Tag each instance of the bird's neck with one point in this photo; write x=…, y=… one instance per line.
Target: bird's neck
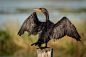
x=47, y=16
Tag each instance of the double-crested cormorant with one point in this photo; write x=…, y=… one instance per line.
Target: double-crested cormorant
x=48, y=30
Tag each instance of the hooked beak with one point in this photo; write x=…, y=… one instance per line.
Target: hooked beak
x=37, y=10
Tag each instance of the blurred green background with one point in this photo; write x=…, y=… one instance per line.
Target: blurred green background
x=14, y=12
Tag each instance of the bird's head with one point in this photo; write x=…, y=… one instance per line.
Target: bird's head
x=44, y=11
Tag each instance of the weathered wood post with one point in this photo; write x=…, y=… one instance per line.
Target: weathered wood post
x=45, y=52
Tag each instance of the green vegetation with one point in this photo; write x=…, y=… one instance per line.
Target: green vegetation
x=19, y=10
x=13, y=45
x=67, y=10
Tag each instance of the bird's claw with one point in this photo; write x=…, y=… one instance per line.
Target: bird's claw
x=33, y=44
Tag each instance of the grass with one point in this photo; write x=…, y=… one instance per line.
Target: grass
x=12, y=44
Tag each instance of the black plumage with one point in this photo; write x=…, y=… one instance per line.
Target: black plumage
x=48, y=30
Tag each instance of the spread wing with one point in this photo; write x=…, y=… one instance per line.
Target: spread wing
x=64, y=27
x=30, y=25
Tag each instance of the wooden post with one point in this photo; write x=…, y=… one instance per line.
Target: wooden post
x=45, y=52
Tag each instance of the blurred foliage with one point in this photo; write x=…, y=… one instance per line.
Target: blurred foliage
x=12, y=44
x=67, y=10
x=20, y=10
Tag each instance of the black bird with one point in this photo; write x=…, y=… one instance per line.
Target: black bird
x=48, y=30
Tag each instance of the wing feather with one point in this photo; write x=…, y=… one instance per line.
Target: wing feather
x=29, y=25
x=64, y=27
